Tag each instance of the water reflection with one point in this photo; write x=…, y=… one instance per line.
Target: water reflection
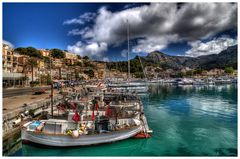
x=194, y=120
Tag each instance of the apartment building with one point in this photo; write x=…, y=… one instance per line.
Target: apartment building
x=12, y=70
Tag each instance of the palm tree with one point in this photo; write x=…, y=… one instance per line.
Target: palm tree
x=32, y=62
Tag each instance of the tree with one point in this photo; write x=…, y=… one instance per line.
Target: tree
x=86, y=58
x=29, y=51
x=45, y=79
x=229, y=70
x=157, y=70
x=139, y=74
x=198, y=71
x=78, y=57
x=90, y=73
x=57, y=53
x=32, y=62
x=180, y=74
x=189, y=73
x=78, y=63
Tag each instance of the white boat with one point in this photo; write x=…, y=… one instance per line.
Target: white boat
x=222, y=80
x=123, y=120
x=184, y=81
x=129, y=87
x=199, y=82
x=56, y=136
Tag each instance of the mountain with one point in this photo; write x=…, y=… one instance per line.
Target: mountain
x=226, y=58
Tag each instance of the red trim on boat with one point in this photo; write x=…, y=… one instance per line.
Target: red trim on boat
x=142, y=135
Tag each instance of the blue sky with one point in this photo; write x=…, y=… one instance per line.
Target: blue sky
x=99, y=30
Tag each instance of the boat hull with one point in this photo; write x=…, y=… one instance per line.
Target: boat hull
x=84, y=140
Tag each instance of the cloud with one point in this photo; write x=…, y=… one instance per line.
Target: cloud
x=189, y=22
x=124, y=53
x=214, y=46
x=154, y=27
x=153, y=43
x=82, y=19
x=105, y=59
x=91, y=49
x=8, y=43
x=78, y=32
x=129, y=5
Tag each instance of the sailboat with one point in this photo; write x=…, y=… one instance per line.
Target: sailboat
x=130, y=85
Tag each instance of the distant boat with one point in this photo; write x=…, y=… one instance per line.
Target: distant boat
x=222, y=80
x=184, y=81
x=132, y=86
x=199, y=82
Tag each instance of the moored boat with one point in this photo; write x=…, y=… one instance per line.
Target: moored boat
x=59, y=137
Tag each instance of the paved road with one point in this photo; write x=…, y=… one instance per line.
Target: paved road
x=21, y=91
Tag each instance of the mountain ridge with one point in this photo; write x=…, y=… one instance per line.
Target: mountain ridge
x=226, y=58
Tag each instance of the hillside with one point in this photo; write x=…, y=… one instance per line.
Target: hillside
x=226, y=58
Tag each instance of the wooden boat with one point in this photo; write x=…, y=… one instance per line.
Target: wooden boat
x=59, y=138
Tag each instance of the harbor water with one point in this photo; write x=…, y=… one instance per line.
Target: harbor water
x=186, y=121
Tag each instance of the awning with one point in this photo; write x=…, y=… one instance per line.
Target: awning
x=12, y=76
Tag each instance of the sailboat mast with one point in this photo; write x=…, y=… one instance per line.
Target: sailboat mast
x=128, y=50
x=51, y=86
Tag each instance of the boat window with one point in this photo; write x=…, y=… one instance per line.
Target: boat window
x=52, y=128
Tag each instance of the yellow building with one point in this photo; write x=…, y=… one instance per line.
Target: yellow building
x=57, y=63
x=44, y=52
x=7, y=58
x=12, y=70
x=71, y=57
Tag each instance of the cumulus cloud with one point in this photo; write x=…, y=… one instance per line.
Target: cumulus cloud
x=191, y=21
x=157, y=25
x=82, y=19
x=8, y=43
x=154, y=43
x=91, y=49
x=214, y=46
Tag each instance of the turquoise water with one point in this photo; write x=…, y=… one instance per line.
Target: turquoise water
x=186, y=121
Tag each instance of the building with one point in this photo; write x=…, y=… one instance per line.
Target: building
x=71, y=58
x=7, y=58
x=12, y=70
x=215, y=72
x=44, y=52
x=57, y=63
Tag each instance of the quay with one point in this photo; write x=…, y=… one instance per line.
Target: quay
x=19, y=109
